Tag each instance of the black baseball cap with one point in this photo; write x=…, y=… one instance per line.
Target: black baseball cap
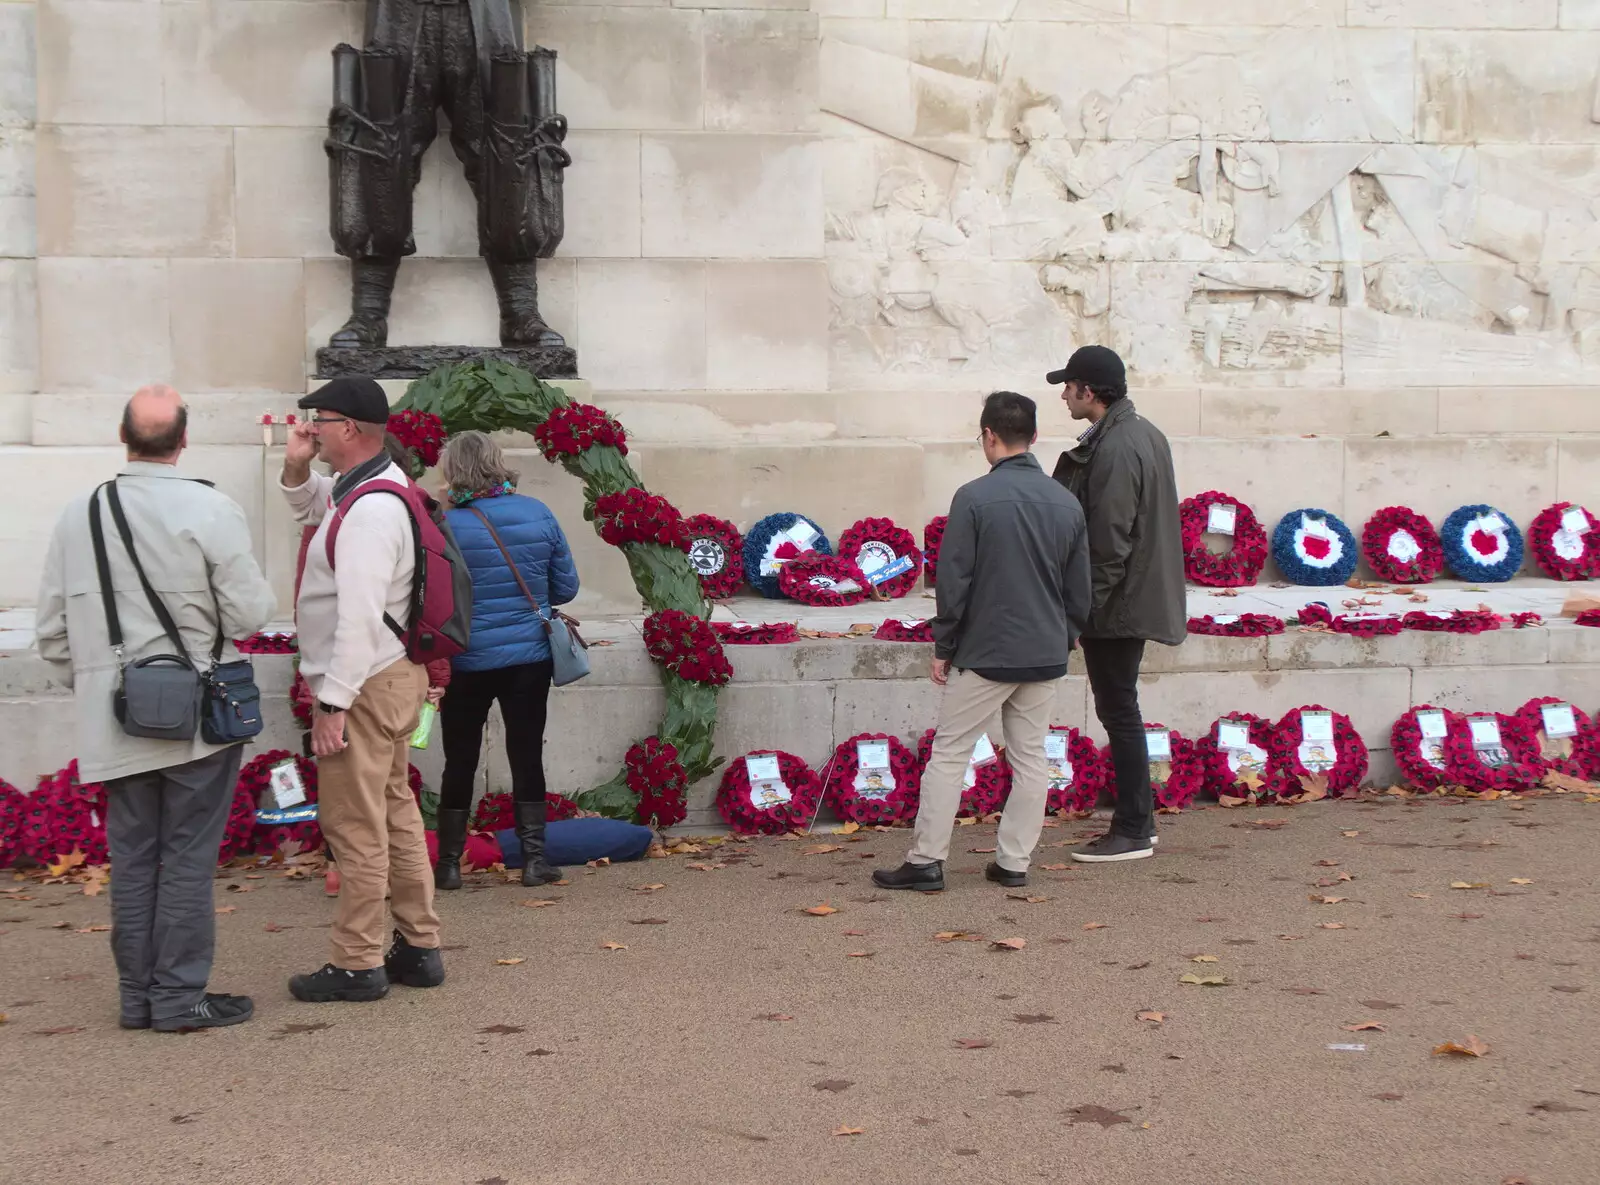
x=357, y=398
x=1093, y=366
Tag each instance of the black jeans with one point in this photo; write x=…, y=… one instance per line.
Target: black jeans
x=1113, y=667
x=523, y=692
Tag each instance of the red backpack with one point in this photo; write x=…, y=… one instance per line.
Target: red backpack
x=440, y=621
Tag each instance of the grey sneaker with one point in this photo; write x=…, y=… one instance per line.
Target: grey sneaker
x=212, y=1011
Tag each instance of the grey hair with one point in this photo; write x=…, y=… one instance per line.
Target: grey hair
x=472, y=461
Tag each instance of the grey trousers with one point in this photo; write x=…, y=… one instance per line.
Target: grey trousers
x=164, y=829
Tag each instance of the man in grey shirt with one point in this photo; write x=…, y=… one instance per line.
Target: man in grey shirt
x=167, y=801
x=1013, y=596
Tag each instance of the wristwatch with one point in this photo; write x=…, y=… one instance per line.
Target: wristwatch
x=329, y=709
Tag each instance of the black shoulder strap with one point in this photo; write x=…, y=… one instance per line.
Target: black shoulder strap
x=165, y=618
x=108, y=594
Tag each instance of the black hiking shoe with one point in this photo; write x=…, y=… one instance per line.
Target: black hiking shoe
x=335, y=983
x=414, y=966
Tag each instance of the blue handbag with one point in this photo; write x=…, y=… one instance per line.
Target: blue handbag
x=569, y=653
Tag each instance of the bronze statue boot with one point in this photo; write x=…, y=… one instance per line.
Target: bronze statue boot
x=371, y=286
x=516, y=286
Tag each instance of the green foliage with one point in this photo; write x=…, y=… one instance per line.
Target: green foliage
x=489, y=395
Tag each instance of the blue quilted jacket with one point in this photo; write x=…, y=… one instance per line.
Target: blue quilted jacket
x=506, y=632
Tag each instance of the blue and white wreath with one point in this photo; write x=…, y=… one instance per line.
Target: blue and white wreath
x=1481, y=545
x=1313, y=547
x=774, y=539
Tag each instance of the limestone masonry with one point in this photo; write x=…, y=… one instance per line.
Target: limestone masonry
x=1350, y=248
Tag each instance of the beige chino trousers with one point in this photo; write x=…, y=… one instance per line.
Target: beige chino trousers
x=966, y=709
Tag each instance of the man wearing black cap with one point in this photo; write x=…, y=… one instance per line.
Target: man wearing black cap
x=1122, y=473
x=369, y=695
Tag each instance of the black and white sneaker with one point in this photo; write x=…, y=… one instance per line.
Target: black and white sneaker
x=212, y=1011
x=335, y=983
x=1111, y=847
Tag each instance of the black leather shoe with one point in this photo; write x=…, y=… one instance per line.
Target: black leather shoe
x=414, y=966
x=335, y=983
x=1004, y=876
x=924, y=878
x=1112, y=847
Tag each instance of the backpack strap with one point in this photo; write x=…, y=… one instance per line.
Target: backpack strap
x=342, y=508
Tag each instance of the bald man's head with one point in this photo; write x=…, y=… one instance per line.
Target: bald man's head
x=154, y=424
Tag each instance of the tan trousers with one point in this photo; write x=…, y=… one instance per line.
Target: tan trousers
x=965, y=712
x=372, y=822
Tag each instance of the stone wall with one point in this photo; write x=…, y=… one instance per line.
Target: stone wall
x=19, y=326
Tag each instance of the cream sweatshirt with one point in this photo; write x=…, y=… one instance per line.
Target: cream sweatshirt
x=343, y=638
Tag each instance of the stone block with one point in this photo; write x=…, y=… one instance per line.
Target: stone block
x=689, y=417
x=280, y=193
x=884, y=91
x=1411, y=411
x=761, y=71
x=19, y=325
x=732, y=196
x=588, y=731
x=605, y=585
x=104, y=324
x=904, y=709
x=602, y=195
x=1373, y=698
x=1272, y=475
x=253, y=63
x=1580, y=14
x=1435, y=475
x=1512, y=87
x=158, y=191
x=625, y=68
x=1489, y=411
x=1238, y=12
x=238, y=324
x=1455, y=14
x=856, y=9
x=16, y=416
x=767, y=326
x=797, y=718
x=1573, y=643
x=18, y=74
x=1505, y=689
x=33, y=478
x=1412, y=648
x=834, y=483
x=1578, y=476
x=623, y=663
x=280, y=535
x=99, y=62
x=1204, y=652
x=215, y=417
x=18, y=234
x=42, y=738
x=643, y=324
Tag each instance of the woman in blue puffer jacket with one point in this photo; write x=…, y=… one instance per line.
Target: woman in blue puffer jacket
x=508, y=659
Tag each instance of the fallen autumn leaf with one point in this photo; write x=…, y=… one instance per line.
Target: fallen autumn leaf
x=1473, y=1046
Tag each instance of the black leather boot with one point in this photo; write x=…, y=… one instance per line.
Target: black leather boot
x=452, y=842
x=516, y=287
x=536, y=870
x=371, y=286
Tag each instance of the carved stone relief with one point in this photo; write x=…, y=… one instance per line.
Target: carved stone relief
x=1220, y=208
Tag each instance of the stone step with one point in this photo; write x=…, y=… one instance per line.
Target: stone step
x=808, y=697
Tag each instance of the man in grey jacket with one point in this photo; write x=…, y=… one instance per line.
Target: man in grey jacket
x=1122, y=473
x=167, y=802
x=1013, y=596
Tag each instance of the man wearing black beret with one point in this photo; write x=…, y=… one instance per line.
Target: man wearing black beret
x=1121, y=471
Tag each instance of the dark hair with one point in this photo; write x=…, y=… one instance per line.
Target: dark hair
x=1013, y=418
x=1107, y=394
x=157, y=444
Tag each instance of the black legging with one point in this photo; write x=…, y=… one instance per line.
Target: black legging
x=523, y=692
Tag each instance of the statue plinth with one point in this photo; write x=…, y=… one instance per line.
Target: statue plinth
x=412, y=362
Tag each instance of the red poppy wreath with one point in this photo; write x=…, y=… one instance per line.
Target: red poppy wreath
x=1217, y=514
x=1177, y=769
x=291, y=825
x=716, y=553
x=766, y=633
x=1076, y=770
x=687, y=646
x=13, y=807
x=904, y=629
x=1237, y=752
x=873, y=778
x=932, y=538
x=886, y=554
x=816, y=579
x=768, y=793
x=1558, y=727
x=987, y=783
x=1452, y=621
x=1315, y=749
x=1401, y=546
x=1566, y=542
x=1417, y=742
x=1492, y=751
x=1236, y=625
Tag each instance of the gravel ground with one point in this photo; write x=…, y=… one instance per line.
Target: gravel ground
x=732, y=1038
